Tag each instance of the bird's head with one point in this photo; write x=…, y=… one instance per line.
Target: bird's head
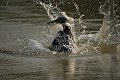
x=60, y=20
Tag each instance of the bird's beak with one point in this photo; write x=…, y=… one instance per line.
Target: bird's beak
x=51, y=22
x=60, y=20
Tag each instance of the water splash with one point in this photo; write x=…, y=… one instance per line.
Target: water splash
x=53, y=13
x=107, y=36
x=32, y=47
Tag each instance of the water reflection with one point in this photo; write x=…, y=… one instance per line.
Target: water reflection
x=97, y=67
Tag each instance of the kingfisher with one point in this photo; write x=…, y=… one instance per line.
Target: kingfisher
x=61, y=42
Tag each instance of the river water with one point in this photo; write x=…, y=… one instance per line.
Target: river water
x=24, y=38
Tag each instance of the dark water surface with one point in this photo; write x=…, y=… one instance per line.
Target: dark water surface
x=94, y=67
x=24, y=19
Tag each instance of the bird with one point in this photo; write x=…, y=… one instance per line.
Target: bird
x=61, y=42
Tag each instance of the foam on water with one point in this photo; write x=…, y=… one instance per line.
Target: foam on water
x=32, y=47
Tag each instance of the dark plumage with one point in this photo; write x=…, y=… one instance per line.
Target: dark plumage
x=61, y=43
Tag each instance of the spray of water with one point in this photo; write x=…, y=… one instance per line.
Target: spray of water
x=53, y=13
x=108, y=33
